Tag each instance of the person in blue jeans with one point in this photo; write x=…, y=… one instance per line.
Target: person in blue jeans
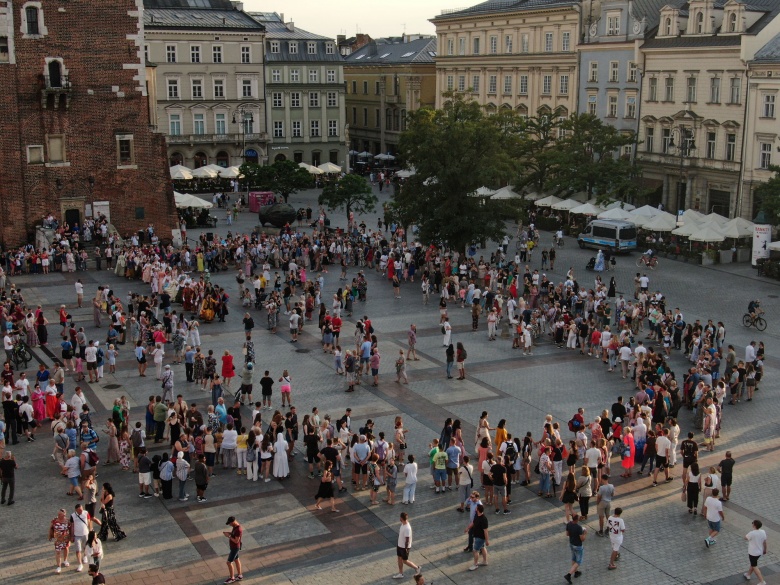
x=576, y=534
x=473, y=502
x=182, y=471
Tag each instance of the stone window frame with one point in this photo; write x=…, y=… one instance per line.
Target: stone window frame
x=123, y=165
x=42, y=30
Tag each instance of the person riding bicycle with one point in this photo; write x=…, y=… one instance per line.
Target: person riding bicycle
x=559, y=236
x=649, y=257
x=754, y=308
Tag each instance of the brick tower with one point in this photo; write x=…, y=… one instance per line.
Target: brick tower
x=77, y=131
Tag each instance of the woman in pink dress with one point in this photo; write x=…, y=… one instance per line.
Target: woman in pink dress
x=628, y=447
x=38, y=403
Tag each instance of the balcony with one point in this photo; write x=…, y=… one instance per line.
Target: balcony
x=56, y=92
x=391, y=99
x=235, y=138
x=672, y=160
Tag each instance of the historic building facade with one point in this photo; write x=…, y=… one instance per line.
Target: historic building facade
x=209, y=65
x=305, y=103
x=76, y=130
x=694, y=99
x=386, y=80
x=519, y=55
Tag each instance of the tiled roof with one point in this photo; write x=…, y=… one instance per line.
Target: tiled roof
x=692, y=41
x=377, y=52
x=769, y=53
x=499, y=6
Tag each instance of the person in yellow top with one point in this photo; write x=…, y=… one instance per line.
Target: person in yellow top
x=241, y=443
x=500, y=433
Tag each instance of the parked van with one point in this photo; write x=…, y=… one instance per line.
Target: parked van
x=609, y=234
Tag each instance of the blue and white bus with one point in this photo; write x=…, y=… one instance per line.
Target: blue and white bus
x=609, y=234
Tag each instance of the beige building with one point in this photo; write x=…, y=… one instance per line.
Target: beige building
x=510, y=55
x=210, y=80
x=762, y=126
x=386, y=80
x=304, y=82
x=693, y=101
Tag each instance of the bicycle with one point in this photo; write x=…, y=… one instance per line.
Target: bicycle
x=21, y=354
x=643, y=261
x=758, y=321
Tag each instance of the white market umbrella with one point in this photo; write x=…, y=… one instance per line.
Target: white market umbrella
x=565, y=205
x=310, y=169
x=739, y=226
x=406, y=173
x=586, y=209
x=230, y=173
x=180, y=173
x=663, y=222
x=548, y=201
x=580, y=197
x=716, y=217
x=505, y=193
x=215, y=168
x=365, y=154
x=533, y=196
x=184, y=200
x=691, y=215
x=645, y=211
x=687, y=229
x=329, y=167
x=708, y=233
x=619, y=205
x=615, y=213
x=205, y=173
x=482, y=192
x=352, y=152
x=775, y=246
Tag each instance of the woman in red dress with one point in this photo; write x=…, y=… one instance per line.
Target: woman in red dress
x=228, y=369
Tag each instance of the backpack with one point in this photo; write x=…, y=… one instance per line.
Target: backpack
x=136, y=439
x=574, y=425
x=92, y=458
x=380, y=449
x=443, y=330
x=465, y=355
x=251, y=454
x=511, y=450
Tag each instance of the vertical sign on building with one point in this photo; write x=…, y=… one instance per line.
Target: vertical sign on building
x=762, y=235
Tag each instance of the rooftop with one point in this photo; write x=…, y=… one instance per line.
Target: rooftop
x=218, y=15
x=276, y=28
x=769, y=53
x=500, y=6
x=393, y=50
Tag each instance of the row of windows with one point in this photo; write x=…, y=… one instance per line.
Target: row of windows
x=245, y=89
x=691, y=90
x=295, y=76
x=614, y=72
x=56, y=151
x=394, y=119
x=331, y=99
x=508, y=44
x=629, y=109
x=710, y=146
x=396, y=87
x=670, y=25
x=196, y=55
x=292, y=47
x=508, y=83
x=296, y=128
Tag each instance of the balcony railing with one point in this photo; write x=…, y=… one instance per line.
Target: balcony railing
x=235, y=138
x=673, y=160
x=57, y=83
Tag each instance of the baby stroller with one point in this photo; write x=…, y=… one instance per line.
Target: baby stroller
x=260, y=300
x=591, y=265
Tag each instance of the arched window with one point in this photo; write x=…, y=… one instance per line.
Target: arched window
x=223, y=159
x=733, y=22
x=699, y=22
x=176, y=159
x=55, y=74
x=668, y=27
x=280, y=157
x=316, y=158
x=200, y=160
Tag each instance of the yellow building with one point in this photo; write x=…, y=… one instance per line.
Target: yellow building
x=386, y=80
x=518, y=55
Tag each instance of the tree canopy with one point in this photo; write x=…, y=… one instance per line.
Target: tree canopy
x=284, y=177
x=455, y=151
x=768, y=196
x=350, y=192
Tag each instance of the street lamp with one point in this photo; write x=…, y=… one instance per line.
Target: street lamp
x=685, y=145
x=246, y=119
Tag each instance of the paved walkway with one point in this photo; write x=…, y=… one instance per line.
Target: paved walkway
x=288, y=541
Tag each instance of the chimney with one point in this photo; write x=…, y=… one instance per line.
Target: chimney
x=340, y=39
x=290, y=26
x=238, y=6
x=281, y=17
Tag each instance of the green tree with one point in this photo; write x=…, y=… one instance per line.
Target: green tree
x=455, y=151
x=768, y=196
x=588, y=158
x=283, y=177
x=534, y=149
x=351, y=192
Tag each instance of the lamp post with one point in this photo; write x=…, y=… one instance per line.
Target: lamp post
x=245, y=118
x=685, y=145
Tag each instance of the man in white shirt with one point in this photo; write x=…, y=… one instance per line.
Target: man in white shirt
x=625, y=358
x=22, y=385
x=78, y=400
x=616, y=527
x=80, y=525
x=750, y=353
x=8, y=345
x=663, y=449
x=90, y=355
x=713, y=512
x=756, y=548
x=79, y=292
x=28, y=419
x=644, y=283
x=592, y=459
x=404, y=546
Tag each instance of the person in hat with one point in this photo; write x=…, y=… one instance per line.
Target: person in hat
x=234, y=542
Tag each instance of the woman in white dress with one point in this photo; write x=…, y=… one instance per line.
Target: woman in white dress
x=281, y=466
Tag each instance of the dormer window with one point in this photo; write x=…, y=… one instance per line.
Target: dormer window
x=733, y=22
x=699, y=22
x=668, y=27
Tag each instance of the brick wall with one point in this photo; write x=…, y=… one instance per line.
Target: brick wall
x=97, y=42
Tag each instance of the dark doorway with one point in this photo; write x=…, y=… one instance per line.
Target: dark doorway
x=73, y=217
x=720, y=203
x=315, y=158
x=334, y=157
x=55, y=74
x=280, y=158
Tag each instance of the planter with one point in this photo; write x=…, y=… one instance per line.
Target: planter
x=706, y=259
x=726, y=256
x=744, y=254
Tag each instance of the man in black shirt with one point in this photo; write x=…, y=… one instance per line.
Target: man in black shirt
x=330, y=453
x=8, y=467
x=499, y=477
x=726, y=468
x=619, y=410
x=479, y=527
x=10, y=411
x=266, y=385
x=235, y=412
x=97, y=576
x=690, y=454
x=576, y=534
